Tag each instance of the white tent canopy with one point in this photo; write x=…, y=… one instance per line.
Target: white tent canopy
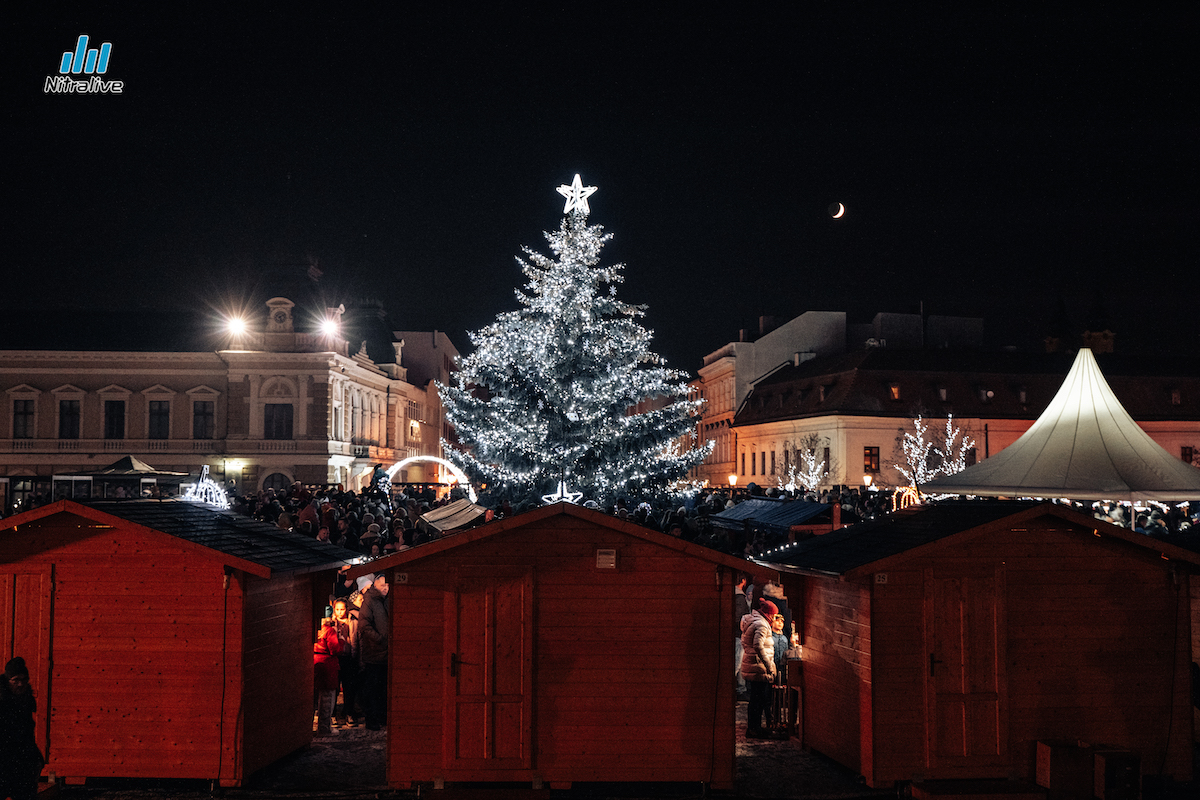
x=1084, y=446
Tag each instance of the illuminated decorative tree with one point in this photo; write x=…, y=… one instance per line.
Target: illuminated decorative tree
x=565, y=392
x=926, y=459
x=808, y=470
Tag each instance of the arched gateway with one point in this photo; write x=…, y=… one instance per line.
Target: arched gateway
x=454, y=470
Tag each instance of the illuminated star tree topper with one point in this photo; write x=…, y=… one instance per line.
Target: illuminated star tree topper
x=565, y=391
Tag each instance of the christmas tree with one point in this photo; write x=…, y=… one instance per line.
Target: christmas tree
x=565, y=392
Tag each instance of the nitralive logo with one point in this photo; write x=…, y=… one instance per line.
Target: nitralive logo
x=85, y=61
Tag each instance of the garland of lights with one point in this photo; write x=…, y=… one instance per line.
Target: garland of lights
x=548, y=395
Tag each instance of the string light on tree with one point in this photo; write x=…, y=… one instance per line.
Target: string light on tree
x=565, y=391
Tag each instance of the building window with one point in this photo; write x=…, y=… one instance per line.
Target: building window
x=763, y=470
x=204, y=419
x=1187, y=453
x=114, y=419
x=894, y=391
x=942, y=393
x=23, y=419
x=68, y=419
x=160, y=420
x=825, y=455
x=743, y=465
x=1176, y=397
x=1022, y=396
x=772, y=462
x=972, y=457
x=753, y=463
x=277, y=421
x=871, y=459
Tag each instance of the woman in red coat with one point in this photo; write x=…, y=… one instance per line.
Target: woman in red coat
x=325, y=673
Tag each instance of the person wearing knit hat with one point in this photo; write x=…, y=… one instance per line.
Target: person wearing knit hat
x=22, y=761
x=758, y=664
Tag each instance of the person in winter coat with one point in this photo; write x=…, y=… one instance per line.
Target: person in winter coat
x=781, y=647
x=325, y=673
x=346, y=624
x=758, y=664
x=741, y=607
x=20, y=759
x=373, y=632
x=774, y=592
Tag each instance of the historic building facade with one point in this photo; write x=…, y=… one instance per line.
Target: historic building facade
x=273, y=406
x=848, y=392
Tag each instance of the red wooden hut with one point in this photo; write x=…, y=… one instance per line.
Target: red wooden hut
x=561, y=645
x=164, y=639
x=945, y=642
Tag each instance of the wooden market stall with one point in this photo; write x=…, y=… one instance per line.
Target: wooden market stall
x=561, y=645
x=164, y=638
x=946, y=642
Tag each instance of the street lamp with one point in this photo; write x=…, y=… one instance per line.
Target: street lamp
x=732, y=484
x=867, y=481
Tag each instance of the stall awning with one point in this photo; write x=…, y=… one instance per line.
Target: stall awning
x=1084, y=446
x=777, y=515
x=459, y=514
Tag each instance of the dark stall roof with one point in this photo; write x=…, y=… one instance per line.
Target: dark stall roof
x=850, y=551
x=503, y=526
x=249, y=545
x=762, y=513
x=127, y=467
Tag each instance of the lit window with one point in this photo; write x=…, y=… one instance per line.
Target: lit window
x=894, y=390
x=871, y=459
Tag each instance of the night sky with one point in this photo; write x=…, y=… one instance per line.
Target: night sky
x=995, y=163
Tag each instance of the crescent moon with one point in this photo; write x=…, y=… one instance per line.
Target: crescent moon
x=841, y=211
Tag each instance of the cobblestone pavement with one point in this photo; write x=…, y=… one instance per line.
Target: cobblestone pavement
x=349, y=765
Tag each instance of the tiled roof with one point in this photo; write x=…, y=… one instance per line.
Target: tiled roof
x=883, y=382
x=842, y=550
x=232, y=534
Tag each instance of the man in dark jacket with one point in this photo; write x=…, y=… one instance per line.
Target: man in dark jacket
x=741, y=607
x=373, y=633
x=20, y=757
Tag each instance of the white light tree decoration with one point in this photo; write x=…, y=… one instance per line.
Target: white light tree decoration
x=808, y=470
x=926, y=459
x=564, y=393
x=207, y=491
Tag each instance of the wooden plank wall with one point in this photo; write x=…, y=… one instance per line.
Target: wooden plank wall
x=901, y=666
x=632, y=666
x=1097, y=646
x=1098, y=642
x=136, y=649
x=277, y=669
x=836, y=635
x=1194, y=592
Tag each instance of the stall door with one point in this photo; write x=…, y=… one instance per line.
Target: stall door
x=967, y=726
x=25, y=632
x=489, y=661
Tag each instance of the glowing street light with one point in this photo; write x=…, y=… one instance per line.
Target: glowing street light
x=236, y=325
x=329, y=327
